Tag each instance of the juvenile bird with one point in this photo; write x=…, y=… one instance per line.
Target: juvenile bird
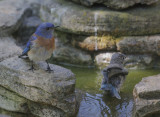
x=41, y=44
x=114, y=75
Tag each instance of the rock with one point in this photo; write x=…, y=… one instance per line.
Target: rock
x=8, y=48
x=5, y=113
x=11, y=19
x=88, y=43
x=66, y=53
x=140, y=44
x=27, y=28
x=44, y=94
x=71, y=55
x=94, y=43
x=80, y=20
x=103, y=59
x=115, y=4
x=138, y=61
x=147, y=97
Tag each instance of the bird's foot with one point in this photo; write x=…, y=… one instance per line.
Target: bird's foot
x=32, y=69
x=49, y=70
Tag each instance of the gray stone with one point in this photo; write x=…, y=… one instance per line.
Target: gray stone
x=13, y=13
x=138, y=61
x=147, y=97
x=41, y=110
x=140, y=44
x=12, y=102
x=8, y=48
x=55, y=89
x=77, y=19
x=115, y=4
x=66, y=53
x=11, y=16
x=27, y=28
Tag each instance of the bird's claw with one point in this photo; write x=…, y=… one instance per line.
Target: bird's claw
x=32, y=69
x=49, y=70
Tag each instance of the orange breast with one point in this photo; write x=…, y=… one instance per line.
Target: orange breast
x=48, y=44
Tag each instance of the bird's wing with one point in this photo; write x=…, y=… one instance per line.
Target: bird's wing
x=29, y=44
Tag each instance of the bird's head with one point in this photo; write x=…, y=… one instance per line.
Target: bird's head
x=45, y=30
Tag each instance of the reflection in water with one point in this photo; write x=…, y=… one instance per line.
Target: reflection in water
x=96, y=104
x=103, y=106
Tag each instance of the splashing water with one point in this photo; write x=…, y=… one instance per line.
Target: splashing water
x=96, y=30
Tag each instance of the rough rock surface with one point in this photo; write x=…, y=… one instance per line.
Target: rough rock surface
x=132, y=61
x=115, y=4
x=77, y=19
x=11, y=16
x=103, y=59
x=69, y=54
x=27, y=28
x=39, y=93
x=147, y=97
x=8, y=48
x=140, y=44
x=94, y=43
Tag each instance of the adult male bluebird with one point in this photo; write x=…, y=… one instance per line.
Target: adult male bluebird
x=41, y=44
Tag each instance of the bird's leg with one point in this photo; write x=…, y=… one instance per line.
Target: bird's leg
x=32, y=67
x=48, y=67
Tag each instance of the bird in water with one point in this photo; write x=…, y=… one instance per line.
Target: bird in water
x=114, y=75
x=40, y=45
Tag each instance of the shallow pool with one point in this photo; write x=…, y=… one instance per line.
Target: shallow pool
x=95, y=104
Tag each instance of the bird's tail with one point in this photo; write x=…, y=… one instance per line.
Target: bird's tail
x=115, y=93
x=24, y=53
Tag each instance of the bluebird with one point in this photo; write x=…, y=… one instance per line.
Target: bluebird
x=40, y=45
x=114, y=75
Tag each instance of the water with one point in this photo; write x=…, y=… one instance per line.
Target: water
x=95, y=104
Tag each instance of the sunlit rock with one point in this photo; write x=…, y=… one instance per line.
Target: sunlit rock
x=103, y=59
x=147, y=97
x=94, y=43
x=39, y=93
x=115, y=4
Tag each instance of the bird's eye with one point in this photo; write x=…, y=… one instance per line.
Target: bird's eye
x=47, y=28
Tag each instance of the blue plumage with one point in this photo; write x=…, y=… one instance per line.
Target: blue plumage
x=43, y=30
x=41, y=44
x=108, y=86
x=29, y=44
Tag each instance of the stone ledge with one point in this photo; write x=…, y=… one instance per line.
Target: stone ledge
x=77, y=19
x=53, y=89
x=147, y=96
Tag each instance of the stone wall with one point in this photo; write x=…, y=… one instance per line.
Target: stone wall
x=96, y=30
